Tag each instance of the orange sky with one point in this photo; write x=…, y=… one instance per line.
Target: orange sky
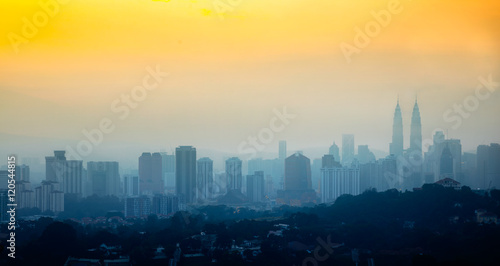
x=226, y=76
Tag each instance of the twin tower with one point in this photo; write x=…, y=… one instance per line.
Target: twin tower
x=396, y=147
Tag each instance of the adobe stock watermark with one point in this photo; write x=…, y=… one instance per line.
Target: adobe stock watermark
x=266, y=135
x=455, y=114
x=40, y=19
x=326, y=247
x=483, y=91
x=121, y=107
x=372, y=29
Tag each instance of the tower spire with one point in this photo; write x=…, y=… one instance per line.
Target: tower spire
x=396, y=146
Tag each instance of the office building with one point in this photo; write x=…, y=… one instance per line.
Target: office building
x=234, y=174
x=104, y=178
x=255, y=187
x=204, y=178
x=347, y=149
x=185, y=173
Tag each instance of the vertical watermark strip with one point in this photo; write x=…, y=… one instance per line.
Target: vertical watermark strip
x=11, y=195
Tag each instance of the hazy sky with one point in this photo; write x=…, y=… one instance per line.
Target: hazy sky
x=227, y=75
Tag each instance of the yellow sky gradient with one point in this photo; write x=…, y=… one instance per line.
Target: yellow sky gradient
x=227, y=75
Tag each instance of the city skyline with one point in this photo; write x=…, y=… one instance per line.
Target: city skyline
x=232, y=132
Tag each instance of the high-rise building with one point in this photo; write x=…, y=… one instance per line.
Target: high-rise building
x=488, y=166
x=390, y=175
x=204, y=178
x=298, y=184
x=336, y=181
x=274, y=168
x=255, y=187
x=68, y=173
x=347, y=149
x=297, y=172
x=168, y=162
x=416, y=178
x=145, y=173
x=22, y=173
x=233, y=174
x=316, y=173
x=335, y=151
x=365, y=155
x=104, y=178
x=151, y=173
x=131, y=185
x=26, y=199
x=165, y=205
x=54, y=166
x=416, y=132
x=72, y=177
x=369, y=175
x=396, y=146
x=329, y=161
x=446, y=164
x=469, y=169
x=49, y=197
x=282, y=151
x=185, y=173
x=56, y=201
x=137, y=206
x=432, y=162
x=456, y=151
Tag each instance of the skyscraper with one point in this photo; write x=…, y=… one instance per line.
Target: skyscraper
x=365, y=155
x=255, y=186
x=131, y=185
x=334, y=150
x=233, y=174
x=336, y=181
x=72, y=177
x=415, y=179
x=145, y=173
x=396, y=146
x=446, y=164
x=137, y=206
x=151, y=173
x=488, y=166
x=416, y=132
x=282, y=151
x=66, y=172
x=185, y=173
x=204, y=178
x=297, y=172
x=168, y=162
x=54, y=166
x=347, y=148
x=104, y=178
x=157, y=186
x=298, y=184
x=328, y=161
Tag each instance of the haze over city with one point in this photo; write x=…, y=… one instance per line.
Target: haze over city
x=249, y=132
x=226, y=77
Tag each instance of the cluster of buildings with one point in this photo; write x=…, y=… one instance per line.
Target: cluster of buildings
x=165, y=183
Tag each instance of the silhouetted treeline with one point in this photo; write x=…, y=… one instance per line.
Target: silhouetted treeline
x=431, y=226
